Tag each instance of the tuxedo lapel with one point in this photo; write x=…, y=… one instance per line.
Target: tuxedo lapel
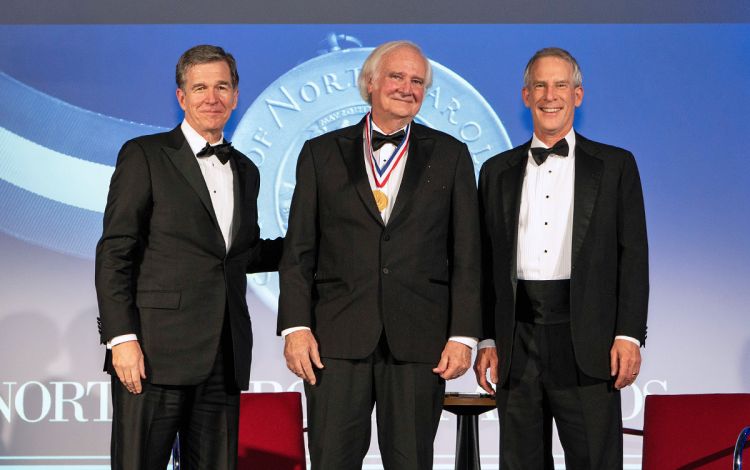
x=352, y=152
x=239, y=195
x=512, y=184
x=420, y=150
x=588, y=175
x=184, y=160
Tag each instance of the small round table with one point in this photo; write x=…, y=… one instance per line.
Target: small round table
x=467, y=407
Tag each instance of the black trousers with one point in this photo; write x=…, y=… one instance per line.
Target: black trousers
x=206, y=415
x=545, y=383
x=408, y=398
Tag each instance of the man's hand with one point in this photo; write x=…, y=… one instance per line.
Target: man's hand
x=486, y=359
x=454, y=360
x=625, y=362
x=301, y=353
x=127, y=359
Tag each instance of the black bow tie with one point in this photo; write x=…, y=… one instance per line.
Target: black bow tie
x=378, y=139
x=540, y=154
x=221, y=151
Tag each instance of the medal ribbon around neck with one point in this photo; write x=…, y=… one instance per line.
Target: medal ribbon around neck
x=381, y=175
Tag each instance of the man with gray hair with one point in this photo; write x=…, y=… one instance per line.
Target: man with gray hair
x=180, y=232
x=380, y=273
x=565, y=293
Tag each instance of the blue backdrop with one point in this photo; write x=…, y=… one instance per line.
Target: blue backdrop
x=70, y=95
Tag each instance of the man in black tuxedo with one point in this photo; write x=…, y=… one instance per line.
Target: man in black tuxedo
x=380, y=273
x=565, y=280
x=180, y=233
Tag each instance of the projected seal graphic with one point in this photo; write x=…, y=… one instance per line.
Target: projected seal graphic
x=321, y=95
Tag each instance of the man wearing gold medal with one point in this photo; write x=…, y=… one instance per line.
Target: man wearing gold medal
x=379, y=278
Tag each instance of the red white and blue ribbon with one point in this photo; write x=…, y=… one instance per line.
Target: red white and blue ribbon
x=381, y=173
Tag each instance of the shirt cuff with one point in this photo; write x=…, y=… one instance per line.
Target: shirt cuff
x=629, y=338
x=466, y=340
x=121, y=339
x=486, y=343
x=293, y=329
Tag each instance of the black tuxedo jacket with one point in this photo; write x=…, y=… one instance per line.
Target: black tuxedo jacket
x=348, y=276
x=609, y=278
x=162, y=270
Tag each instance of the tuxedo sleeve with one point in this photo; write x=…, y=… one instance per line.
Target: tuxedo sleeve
x=119, y=250
x=300, y=252
x=266, y=255
x=465, y=251
x=633, y=283
x=487, y=285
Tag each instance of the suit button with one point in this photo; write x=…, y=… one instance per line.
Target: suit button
x=387, y=237
x=386, y=271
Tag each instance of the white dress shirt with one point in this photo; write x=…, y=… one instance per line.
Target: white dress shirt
x=391, y=187
x=545, y=219
x=220, y=183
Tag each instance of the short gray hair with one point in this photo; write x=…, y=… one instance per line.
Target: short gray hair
x=205, y=54
x=370, y=69
x=553, y=52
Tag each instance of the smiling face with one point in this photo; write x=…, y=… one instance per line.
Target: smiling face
x=552, y=97
x=208, y=98
x=397, y=88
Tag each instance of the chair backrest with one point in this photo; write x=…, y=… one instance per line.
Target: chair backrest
x=270, y=435
x=688, y=432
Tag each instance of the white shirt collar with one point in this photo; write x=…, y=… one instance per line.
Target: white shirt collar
x=570, y=137
x=195, y=140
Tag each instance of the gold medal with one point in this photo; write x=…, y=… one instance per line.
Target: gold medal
x=380, y=199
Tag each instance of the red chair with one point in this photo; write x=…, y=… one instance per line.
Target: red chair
x=686, y=432
x=271, y=435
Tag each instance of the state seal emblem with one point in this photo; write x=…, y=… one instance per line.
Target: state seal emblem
x=321, y=95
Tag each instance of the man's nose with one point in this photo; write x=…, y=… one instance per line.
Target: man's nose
x=212, y=96
x=406, y=87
